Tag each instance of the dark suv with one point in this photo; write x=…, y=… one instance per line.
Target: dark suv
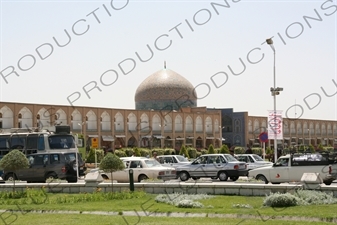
x=43, y=166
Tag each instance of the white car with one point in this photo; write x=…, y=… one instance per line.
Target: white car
x=253, y=161
x=173, y=160
x=143, y=168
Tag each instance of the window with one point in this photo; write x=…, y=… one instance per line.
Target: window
x=54, y=158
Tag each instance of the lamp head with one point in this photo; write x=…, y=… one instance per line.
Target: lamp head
x=269, y=41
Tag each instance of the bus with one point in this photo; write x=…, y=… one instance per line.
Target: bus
x=30, y=141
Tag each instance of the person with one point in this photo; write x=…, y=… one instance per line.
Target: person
x=231, y=151
x=249, y=150
x=155, y=156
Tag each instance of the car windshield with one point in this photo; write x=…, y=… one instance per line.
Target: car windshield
x=181, y=158
x=61, y=142
x=230, y=158
x=152, y=163
x=257, y=158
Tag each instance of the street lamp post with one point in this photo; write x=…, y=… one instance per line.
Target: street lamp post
x=274, y=91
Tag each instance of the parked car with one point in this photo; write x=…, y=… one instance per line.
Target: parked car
x=290, y=168
x=215, y=166
x=172, y=160
x=253, y=161
x=143, y=168
x=43, y=166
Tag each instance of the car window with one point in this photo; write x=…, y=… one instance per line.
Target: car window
x=257, y=158
x=230, y=158
x=174, y=160
x=151, y=163
x=250, y=159
x=214, y=159
x=282, y=162
x=45, y=159
x=38, y=159
x=242, y=158
x=54, y=158
x=181, y=158
x=201, y=160
x=135, y=164
x=168, y=160
x=30, y=160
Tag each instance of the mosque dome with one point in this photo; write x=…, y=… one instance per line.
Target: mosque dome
x=165, y=90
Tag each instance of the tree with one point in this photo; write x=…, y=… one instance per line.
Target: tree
x=183, y=151
x=13, y=161
x=224, y=149
x=211, y=149
x=111, y=163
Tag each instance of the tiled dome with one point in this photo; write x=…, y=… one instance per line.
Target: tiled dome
x=166, y=90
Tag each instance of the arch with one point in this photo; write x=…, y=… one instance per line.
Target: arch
x=144, y=122
x=7, y=117
x=92, y=120
x=198, y=124
x=216, y=125
x=26, y=120
x=285, y=127
x=132, y=122
x=156, y=122
x=208, y=123
x=119, y=122
x=132, y=142
x=264, y=126
x=299, y=127
x=318, y=128
x=256, y=126
x=105, y=121
x=292, y=127
x=61, y=117
x=178, y=124
x=329, y=128
x=43, y=118
x=311, y=128
x=189, y=124
x=250, y=126
x=305, y=128
x=76, y=122
x=323, y=128
x=168, y=123
x=237, y=124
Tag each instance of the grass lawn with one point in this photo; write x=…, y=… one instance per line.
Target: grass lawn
x=214, y=208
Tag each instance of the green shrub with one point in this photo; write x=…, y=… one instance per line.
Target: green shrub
x=281, y=200
x=182, y=200
x=136, y=151
x=192, y=153
x=224, y=149
x=120, y=153
x=183, y=151
x=145, y=152
x=169, y=151
x=203, y=151
x=128, y=151
x=211, y=149
x=91, y=155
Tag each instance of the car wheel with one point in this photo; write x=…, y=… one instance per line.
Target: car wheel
x=195, y=178
x=51, y=176
x=262, y=178
x=142, y=177
x=234, y=178
x=223, y=176
x=328, y=182
x=184, y=176
x=10, y=177
x=72, y=180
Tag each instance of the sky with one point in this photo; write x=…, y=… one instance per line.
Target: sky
x=219, y=46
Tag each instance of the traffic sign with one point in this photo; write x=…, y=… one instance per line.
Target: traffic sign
x=94, y=142
x=263, y=137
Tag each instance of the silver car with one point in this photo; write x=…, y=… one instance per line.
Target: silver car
x=172, y=160
x=215, y=166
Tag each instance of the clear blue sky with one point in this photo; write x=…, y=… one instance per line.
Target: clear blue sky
x=306, y=52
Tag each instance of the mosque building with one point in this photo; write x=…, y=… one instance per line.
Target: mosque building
x=166, y=115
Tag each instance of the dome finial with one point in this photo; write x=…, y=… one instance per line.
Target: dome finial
x=164, y=64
